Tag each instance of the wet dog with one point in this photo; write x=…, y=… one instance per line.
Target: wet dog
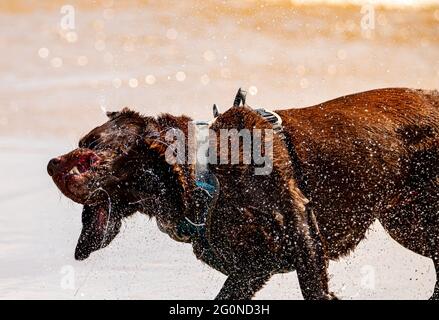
x=336, y=168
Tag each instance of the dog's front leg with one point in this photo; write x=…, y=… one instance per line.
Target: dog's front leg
x=311, y=262
x=242, y=286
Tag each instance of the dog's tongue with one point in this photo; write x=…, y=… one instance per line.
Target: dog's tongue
x=86, y=161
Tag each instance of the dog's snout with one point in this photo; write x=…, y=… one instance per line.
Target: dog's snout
x=52, y=166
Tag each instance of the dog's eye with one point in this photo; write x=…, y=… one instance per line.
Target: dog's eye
x=89, y=143
x=93, y=144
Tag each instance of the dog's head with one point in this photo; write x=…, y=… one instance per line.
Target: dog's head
x=118, y=169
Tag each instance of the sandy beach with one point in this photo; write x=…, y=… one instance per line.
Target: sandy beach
x=181, y=57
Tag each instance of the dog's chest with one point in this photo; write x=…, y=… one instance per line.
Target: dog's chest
x=246, y=238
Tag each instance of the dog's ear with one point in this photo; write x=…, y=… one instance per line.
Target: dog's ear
x=240, y=98
x=215, y=110
x=114, y=114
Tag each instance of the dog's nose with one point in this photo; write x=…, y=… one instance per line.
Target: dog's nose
x=52, y=166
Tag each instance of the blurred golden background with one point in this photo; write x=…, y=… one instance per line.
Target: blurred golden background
x=183, y=56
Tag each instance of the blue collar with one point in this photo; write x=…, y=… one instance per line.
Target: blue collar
x=204, y=197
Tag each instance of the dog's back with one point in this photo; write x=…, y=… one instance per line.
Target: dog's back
x=363, y=156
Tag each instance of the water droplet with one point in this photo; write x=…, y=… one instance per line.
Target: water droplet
x=171, y=34
x=209, y=55
x=117, y=83
x=180, y=76
x=71, y=36
x=82, y=61
x=56, y=62
x=150, y=79
x=43, y=53
x=253, y=90
x=133, y=82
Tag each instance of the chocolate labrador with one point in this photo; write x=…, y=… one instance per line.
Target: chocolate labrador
x=335, y=168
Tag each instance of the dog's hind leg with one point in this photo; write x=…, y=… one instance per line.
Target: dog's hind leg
x=242, y=286
x=432, y=231
x=413, y=221
x=434, y=252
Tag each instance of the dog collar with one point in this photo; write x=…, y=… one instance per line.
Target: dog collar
x=207, y=186
x=204, y=199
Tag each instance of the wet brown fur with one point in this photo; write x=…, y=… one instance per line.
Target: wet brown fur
x=366, y=156
x=344, y=164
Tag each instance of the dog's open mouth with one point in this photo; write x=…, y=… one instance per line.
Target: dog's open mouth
x=74, y=172
x=84, y=165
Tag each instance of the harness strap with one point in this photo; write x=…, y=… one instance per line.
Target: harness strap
x=298, y=171
x=207, y=185
x=273, y=118
x=207, y=191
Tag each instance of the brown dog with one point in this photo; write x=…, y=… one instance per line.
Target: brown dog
x=336, y=168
